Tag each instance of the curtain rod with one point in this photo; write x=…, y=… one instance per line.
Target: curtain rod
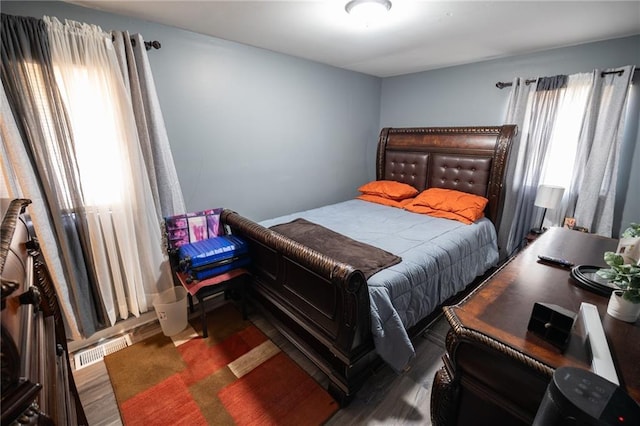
x=502, y=85
x=155, y=44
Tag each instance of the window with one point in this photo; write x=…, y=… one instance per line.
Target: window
x=561, y=153
x=95, y=125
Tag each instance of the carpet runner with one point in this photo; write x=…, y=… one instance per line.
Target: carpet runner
x=235, y=376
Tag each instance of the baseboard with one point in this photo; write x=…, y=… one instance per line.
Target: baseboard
x=118, y=328
x=130, y=324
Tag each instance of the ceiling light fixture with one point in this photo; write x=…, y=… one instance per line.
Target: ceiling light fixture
x=368, y=11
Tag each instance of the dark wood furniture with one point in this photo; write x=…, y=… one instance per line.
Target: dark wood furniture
x=202, y=290
x=495, y=372
x=37, y=383
x=321, y=305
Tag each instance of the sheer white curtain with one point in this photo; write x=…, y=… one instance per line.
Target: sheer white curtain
x=569, y=135
x=559, y=166
x=123, y=221
x=136, y=72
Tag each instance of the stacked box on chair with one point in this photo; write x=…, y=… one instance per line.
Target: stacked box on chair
x=214, y=256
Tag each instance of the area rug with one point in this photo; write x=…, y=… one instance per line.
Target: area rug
x=235, y=376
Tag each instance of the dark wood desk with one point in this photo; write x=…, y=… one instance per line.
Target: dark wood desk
x=495, y=371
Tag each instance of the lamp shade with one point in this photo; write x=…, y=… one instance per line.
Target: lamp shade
x=549, y=196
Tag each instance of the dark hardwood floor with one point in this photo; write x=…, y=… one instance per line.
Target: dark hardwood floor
x=386, y=398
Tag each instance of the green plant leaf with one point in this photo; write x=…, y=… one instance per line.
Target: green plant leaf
x=607, y=274
x=613, y=259
x=632, y=231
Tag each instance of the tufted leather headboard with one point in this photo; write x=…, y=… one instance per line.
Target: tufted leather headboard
x=469, y=159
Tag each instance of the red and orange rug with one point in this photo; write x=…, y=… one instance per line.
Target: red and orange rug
x=235, y=376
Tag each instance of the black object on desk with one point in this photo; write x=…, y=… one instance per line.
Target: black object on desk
x=553, y=323
x=555, y=261
x=585, y=276
x=577, y=396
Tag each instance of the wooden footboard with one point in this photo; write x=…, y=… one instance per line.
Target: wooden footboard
x=320, y=304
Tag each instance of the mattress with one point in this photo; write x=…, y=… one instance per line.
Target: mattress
x=440, y=257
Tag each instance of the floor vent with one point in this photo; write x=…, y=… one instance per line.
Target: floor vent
x=96, y=354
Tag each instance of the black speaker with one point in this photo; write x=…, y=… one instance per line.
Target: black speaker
x=579, y=397
x=553, y=323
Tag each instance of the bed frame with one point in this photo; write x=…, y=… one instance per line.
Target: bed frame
x=321, y=305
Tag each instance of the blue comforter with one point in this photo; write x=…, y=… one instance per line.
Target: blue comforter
x=440, y=257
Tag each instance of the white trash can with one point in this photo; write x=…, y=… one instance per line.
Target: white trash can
x=171, y=308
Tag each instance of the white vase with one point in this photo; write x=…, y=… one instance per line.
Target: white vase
x=622, y=309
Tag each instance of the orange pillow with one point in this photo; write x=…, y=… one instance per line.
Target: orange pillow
x=384, y=201
x=450, y=204
x=389, y=189
x=438, y=213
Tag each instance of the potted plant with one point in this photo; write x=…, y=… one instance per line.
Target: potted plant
x=624, y=272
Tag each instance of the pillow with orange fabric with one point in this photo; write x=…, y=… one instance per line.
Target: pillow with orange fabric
x=449, y=204
x=384, y=201
x=389, y=189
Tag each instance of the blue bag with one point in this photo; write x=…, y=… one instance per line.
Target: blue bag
x=213, y=256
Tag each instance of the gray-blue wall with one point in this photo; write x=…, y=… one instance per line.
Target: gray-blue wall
x=242, y=120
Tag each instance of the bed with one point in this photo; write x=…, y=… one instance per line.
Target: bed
x=341, y=320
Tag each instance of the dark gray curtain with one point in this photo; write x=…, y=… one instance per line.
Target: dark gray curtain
x=527, y=156
x=595, y=180
x=32, y=93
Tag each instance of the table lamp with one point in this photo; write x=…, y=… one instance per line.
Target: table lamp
x=548, y=197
